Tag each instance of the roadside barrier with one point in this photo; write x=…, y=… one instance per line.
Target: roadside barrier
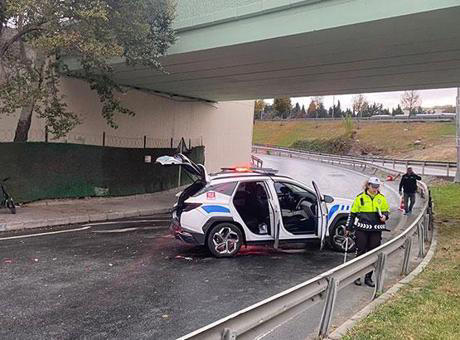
x=449, y=167
x=262, y=317
x=256, y=161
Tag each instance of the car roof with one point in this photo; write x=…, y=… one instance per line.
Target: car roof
x=236, y=176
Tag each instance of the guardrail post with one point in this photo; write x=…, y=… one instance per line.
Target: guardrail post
x=447, y=168
x=407, y=165
x=421, y=241
x=228, y=334
x=394, y=163
x=380, y=274
x=407, y=250
x=425, y=226
x=326, y=317
x=423, y=167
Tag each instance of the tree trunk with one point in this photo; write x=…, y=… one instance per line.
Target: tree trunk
x=25, y=120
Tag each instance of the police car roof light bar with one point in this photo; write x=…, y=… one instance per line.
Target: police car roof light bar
x=256, y=170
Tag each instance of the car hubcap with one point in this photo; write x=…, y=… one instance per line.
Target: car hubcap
x=341, y=240
x=225, y=241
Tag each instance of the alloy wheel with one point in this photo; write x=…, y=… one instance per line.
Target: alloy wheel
x=225, y=241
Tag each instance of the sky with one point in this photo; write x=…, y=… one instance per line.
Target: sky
x=389, y=100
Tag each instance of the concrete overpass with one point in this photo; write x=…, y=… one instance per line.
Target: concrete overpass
x=246, y=49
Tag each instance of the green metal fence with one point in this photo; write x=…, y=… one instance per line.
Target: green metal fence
x=49, y=170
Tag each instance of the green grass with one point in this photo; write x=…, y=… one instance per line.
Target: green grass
x=428, y=307
x=389, y=139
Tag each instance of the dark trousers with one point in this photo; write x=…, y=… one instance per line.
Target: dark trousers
x=367, y=240
x=407, y=197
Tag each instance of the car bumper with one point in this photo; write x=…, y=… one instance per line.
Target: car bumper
x=184, y=234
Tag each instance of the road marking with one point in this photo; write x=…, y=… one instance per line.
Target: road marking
x=43, y=234
x=130, y=221
x=125, y=230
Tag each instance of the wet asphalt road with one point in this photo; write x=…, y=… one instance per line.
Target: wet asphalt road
x=130, y=279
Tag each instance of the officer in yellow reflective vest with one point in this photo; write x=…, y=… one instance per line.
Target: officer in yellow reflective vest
x=367, y=218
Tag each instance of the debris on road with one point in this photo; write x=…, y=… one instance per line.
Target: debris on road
x=184, y=257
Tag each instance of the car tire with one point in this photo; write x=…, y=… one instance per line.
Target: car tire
x=337, y=239
x=224, y=240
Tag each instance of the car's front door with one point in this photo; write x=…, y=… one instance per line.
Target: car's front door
x=322, y=215
x=276, y=213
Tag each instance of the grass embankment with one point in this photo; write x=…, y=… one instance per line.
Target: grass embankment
x=397, y=140
x=428, y=307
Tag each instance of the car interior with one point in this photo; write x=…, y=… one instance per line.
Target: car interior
x=298, y=208
x=251, y=202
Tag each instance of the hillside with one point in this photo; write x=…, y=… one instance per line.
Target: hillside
x=434, y=141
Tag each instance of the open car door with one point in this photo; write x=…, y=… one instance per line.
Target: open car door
x=197, y=170
x=322, y=215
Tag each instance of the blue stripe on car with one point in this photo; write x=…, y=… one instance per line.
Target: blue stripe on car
x=332, y=211
x=215, y=208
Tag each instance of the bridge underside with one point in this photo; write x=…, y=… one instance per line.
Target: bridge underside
x=415, y=51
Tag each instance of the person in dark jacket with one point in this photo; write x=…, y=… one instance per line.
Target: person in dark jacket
x=409, y=185
x=367, y=218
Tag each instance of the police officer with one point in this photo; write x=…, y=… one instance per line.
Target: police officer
x=371, y=210
x=409, y=185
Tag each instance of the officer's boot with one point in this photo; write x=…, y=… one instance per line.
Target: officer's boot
x=368, y=280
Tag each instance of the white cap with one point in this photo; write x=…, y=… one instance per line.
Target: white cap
x=375, y=181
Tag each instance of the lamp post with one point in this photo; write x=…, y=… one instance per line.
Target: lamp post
x=457, y=123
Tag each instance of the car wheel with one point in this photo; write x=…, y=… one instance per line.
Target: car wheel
x=224, y=240
x=338, y=240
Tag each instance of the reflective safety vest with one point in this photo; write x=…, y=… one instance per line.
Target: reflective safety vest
x=368, y=211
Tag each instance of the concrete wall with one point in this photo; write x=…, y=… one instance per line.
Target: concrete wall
x=225, y=128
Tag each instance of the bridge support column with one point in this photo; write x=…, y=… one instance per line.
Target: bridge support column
x=457, y=174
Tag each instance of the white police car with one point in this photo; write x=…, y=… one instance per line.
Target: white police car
x=252, y=206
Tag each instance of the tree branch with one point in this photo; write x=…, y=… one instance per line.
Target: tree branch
x=27, y=29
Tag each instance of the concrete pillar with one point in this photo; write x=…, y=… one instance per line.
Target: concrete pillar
x=457, y=174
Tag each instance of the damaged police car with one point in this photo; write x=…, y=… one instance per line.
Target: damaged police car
x=237, y=206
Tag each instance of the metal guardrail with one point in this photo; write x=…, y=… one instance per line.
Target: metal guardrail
x=447, y=117
x=257, y=162
x=264, y=316
x=449, y=167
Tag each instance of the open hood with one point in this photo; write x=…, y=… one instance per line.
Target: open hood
x=197, y=170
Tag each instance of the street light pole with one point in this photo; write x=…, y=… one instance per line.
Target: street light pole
x=457, y=174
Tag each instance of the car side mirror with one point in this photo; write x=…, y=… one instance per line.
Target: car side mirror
x=328, y=199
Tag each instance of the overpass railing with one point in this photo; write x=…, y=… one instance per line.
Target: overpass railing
x=262, y=317
x=448, y=167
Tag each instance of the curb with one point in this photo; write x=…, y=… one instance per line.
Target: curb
x=350, y=323
x=52, y=202
x=100, y=217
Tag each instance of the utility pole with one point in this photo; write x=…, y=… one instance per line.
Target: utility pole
x=457, y=124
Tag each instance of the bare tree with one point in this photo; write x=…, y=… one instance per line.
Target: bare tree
x=318, y=100
x=360, y=104
x=410, y=100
